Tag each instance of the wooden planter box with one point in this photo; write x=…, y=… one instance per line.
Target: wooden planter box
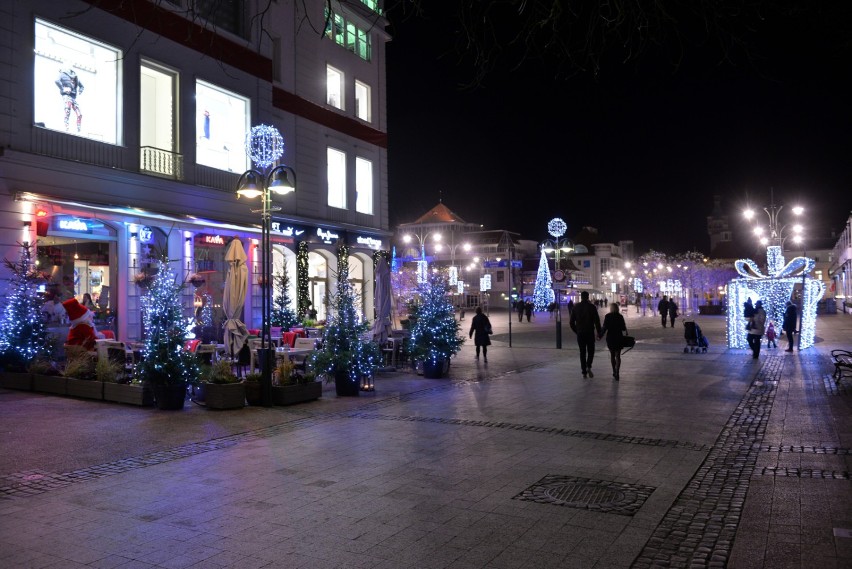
x=55, y=384
x=224, y=395
x=15, y=380
x=132, y=394
x=85, y=388
x=291, y=394
x=253, y=395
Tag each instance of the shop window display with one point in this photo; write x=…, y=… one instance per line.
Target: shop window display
x=222, y=124
x=76, y=84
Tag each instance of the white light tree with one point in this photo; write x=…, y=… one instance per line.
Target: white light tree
x=543, y=292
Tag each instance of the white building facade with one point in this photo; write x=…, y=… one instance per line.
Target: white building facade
x=840, y=271
x=122, y=128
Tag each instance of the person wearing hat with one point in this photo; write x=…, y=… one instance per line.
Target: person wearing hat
x=82, y=321
x=756, y=328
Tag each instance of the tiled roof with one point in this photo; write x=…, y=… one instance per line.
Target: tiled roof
x=439, y=214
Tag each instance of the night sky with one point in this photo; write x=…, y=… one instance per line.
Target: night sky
x=638, y=151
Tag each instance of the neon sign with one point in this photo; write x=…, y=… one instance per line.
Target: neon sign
x=328, y=237
x=72, y=225
x=213, y=240
x=370, y=242
x=146, y=234
x=288, y=231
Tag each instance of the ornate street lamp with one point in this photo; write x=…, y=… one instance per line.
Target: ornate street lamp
x=422, y=266
x=265, y=145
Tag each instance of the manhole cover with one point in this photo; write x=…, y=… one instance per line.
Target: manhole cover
x=582, y=494
x=604, y=496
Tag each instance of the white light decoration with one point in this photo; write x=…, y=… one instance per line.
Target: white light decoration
x=422, y=271
x=453, y=275
x=637, y=285
x=485, y=283
x=460, y=284
x=774, y=289
x=557, y=227
x=264, y=145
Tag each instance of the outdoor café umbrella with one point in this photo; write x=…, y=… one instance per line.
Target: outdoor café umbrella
x=234, y=297
x=382, y=325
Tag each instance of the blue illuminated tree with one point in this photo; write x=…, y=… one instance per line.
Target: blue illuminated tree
x=282, y=313
x=23, y=334
x=164, y=361
x=543, y=292
x=435, y=333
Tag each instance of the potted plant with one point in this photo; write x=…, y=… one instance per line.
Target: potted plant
x=294, y=387
x=46, y=377
x=435, y=332
x=222, y=388
x=252, y=387
x=165, y=365
x=345, y=356
x=81, y=377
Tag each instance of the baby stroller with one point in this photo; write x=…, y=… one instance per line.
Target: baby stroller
x=695, y=341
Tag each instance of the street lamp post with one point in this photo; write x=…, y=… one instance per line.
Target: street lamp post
x=556, y=227
x=264, y=145
x=421, y=239
x=777, y=234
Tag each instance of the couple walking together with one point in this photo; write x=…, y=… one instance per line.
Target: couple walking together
x=586, y=323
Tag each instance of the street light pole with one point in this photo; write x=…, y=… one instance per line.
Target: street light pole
x=264, y=145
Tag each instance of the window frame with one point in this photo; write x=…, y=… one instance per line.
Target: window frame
x=339, y=179
x=341, y=87
x=361, y=206
x=367, y=115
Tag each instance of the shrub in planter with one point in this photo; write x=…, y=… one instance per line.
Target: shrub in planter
x=222, y=388
x=82, y=378
x=252, y=387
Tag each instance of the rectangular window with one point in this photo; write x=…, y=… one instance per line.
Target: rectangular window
x=336, y=178
x=351, y=36
x=364, y=186
x=363, y=45
x=334, y=87
x=362, y=101
x=157, y=136
x=348, y=35
x=222, y=120
x=77, y=84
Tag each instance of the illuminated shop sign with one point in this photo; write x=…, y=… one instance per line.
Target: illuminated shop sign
x=326, y=236
x=370, y=242
x=286, y=230
x=211, y=240
x=75, y=224
x=146, y=234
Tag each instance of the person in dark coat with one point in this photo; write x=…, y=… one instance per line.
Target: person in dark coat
x=663, y=308
x=789, y=324
x=585, y=322
x=614, y=327
x=528, y=309
x=672, y=311
x=481, y=326
x=519, y=306
x=570, y=307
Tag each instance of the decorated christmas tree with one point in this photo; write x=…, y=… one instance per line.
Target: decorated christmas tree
x=543, y=292
x=435, y=332
x=282, y=314
x=23, y=334
x=164, y=361
x=344, y=350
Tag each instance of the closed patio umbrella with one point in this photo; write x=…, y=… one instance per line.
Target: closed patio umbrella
x=234, y=297
x=382, y=325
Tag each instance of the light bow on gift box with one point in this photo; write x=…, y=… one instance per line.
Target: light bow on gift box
x=774, y=289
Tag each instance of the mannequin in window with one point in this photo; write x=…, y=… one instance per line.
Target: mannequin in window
x=69, y=87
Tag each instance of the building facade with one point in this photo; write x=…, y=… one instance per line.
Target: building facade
x=123, y=129
x=840, y=271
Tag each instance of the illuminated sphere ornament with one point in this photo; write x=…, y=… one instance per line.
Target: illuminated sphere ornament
x=557, y=227
x=264, y=145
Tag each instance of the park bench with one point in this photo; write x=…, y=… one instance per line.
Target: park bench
x=842, y=363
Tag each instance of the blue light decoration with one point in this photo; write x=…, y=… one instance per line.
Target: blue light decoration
x=774, y=289
x=557, y=227
x=543, y=292
x=264, y=145
x=23, y=333
x=422, y=271
x=637, y=285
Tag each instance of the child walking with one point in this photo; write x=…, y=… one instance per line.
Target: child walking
x=770, y=336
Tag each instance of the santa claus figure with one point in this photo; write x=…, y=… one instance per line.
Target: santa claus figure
x=82, y=320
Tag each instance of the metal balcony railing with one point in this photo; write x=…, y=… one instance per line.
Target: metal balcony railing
x=161, y=162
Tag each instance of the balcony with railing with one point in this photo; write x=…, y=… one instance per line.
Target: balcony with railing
x=159, y=162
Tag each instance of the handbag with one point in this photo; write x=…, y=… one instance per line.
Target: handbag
x=488, y=330
x=628, y=341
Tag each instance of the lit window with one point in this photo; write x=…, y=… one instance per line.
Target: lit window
x=222, y=120
x=157, y=120
x=334, y=87
x=336, y=178
x=77, y=85
x=364, y=186
x=362, y=101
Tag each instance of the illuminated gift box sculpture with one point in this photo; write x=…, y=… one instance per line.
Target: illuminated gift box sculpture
x=774, y=289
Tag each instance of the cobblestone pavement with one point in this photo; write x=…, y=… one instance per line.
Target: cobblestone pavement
x=691, y=460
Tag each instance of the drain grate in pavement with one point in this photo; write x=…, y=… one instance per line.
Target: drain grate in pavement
x=801, y=472
x=806, y=449
x=603, y=496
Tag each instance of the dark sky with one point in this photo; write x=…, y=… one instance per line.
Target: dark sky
x=637, y=152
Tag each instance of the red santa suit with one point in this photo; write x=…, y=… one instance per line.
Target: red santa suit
x=82, y=331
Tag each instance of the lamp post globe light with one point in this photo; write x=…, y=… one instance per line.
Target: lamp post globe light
x=265, y=146
x=422, y=265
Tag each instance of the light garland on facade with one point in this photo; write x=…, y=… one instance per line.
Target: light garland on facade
x=303, y=297
x=774, y=289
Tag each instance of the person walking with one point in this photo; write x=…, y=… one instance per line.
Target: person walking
x=528, y=309
x=789, y=324
x=644, y=305
x=770, y=336
x=481, y=326
x=585, y=322
x=570, y=307
x=663, y=308
x=755, y=331
x=672, y=311
x=519, y=306
x=614, y=327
